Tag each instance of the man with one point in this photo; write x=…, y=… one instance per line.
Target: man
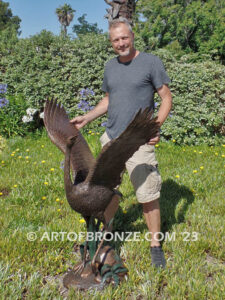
x=130, y=81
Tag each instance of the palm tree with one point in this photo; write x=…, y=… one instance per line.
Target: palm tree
x=121, y=8
x=65, y=15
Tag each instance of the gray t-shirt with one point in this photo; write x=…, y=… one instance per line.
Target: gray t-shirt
x=131, y=86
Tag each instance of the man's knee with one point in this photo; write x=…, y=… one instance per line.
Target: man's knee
x=151, y=205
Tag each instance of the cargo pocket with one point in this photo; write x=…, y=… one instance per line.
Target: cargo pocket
x=153, y=182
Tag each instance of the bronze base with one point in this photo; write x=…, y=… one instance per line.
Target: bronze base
x=83, y=280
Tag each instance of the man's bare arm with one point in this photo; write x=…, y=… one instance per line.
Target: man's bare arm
x=99, y=110
x=165, y=107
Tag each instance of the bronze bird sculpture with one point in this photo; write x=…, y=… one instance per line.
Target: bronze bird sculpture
x=94, y=180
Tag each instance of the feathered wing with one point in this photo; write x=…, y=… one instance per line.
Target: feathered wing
x=112, y=159
x=59, y=129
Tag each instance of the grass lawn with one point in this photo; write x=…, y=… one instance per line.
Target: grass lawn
x=32, y=199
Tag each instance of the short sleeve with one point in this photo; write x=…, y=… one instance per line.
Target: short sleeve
x=158, y=74
x=104, y=84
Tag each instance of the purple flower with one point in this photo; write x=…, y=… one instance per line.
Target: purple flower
x=3, y=102
x=3, y=88
x=89, y=92
x=86, y=92
x=155, y=104
x=103, y=124
x=83, y=93
x=84, y=105
x=170, y=115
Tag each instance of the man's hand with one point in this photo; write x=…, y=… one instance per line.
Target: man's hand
x=79, y=121
x=154, y=140
x=99, y=110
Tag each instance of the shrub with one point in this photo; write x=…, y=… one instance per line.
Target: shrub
x=48, y=66
x=12, y=117
x=198, y=109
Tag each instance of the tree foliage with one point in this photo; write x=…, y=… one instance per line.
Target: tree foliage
x=65, y=15
x=7, y=20
x=190, y=25
x=84, y=27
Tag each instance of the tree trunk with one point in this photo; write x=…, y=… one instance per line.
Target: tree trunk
x=121, y=8
x=64, y=30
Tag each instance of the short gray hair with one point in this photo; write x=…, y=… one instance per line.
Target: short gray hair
x=116, y=23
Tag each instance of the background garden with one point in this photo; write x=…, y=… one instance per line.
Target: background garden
x=189, y=38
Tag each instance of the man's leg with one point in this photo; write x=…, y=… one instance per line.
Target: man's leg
x=151, y=212
x=144, y=175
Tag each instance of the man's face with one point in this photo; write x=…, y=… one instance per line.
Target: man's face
x=122, y=40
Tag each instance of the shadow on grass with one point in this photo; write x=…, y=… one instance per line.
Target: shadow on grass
x=174, y=202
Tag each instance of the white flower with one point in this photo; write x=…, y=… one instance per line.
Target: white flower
x=42, y=115
x=27, y=119
x=31, y=111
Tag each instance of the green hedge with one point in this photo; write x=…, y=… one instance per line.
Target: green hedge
x=198, y=101
x=51, y=66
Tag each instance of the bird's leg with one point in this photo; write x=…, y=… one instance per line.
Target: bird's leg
x=98, y=249
x=87, y=219
x=81, y=266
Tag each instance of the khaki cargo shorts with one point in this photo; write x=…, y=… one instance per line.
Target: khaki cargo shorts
x=143, y=172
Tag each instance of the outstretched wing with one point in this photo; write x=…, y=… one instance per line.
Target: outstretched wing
x=59, y=129
x=114, y=155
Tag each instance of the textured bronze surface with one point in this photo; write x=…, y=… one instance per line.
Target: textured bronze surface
x=84, y=278
x=76, y=281
x=98, y=178
x=94, y=181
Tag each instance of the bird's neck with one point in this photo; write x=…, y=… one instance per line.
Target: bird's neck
x=67, y=178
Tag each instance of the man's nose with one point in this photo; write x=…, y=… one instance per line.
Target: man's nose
x=121, y=43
